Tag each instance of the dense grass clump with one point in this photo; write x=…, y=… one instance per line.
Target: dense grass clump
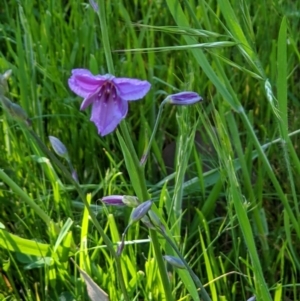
x=223, y=174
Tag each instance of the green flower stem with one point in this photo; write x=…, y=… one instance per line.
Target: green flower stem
x=109, y=60
x=146, y=153
x=68, y=175
x=105, y=38
x=145, y=196
x=197, y=281
x=24, y=196
x=138, y=168
x=106, y=239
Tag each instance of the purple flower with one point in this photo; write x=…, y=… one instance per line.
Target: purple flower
x=184, y=98
x=108, y=96
x=113, y=200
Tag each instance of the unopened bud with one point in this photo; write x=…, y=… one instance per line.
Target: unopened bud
x=59, y=148
x=7, y=74
x=75, y=176
x=3, y=81
x=184, y=98
x=174, y=261
x=113, y=200
x=140, y=211
x=94, y=5
x=15, y=111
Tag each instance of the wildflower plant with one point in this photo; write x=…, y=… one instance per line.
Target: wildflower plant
x=108, y=95
x=105, y=252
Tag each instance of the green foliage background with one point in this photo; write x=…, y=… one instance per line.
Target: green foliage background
x=240, y=208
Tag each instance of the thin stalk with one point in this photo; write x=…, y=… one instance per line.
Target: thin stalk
x=93, y=217
x=16, y=189
x=282, y=88
x=138, y=167
x=68, y=175
x=146, y=153
x=197, y=281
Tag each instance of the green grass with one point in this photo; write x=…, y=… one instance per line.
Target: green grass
x=235, y=222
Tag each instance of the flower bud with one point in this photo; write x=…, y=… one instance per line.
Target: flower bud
x=75, y=176
x=184, y=98
x=59, y=148
x=113, y=200
x=15, y=111
x=7, y=74
x=140, y=211
x=3, y=81
x=94, y=5
x=174, y=261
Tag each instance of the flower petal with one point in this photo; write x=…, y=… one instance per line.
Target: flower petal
x=89, y=100
x=131, y=89
x=83, y=82
x=107, y=113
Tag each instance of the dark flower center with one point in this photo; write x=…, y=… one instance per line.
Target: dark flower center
x=108, y=92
